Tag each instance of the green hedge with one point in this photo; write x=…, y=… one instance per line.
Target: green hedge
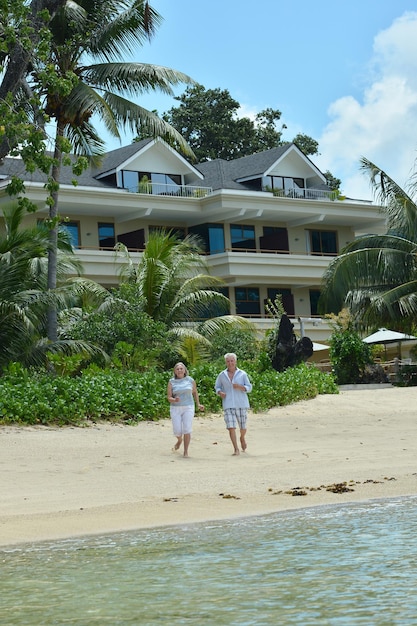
x=36, y=398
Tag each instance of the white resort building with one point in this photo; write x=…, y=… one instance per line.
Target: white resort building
x=269, y=222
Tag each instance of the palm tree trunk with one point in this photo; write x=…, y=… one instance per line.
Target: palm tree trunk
x=52, y=324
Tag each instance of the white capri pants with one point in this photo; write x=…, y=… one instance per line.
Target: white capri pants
x=182, y=419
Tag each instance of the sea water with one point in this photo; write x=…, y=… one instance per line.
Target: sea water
x=338, y=564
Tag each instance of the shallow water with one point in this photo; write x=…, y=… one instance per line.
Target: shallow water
x=342, y=564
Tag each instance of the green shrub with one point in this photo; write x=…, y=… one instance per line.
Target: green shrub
x=125, y=323
x=242, y=341
x=32, y=397
x=349, y=356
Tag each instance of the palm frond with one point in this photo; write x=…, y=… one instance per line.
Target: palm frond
x=210, y=327
x=399, y=207
x=133, y=78
x=124, y=30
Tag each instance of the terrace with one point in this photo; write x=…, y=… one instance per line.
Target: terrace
x=163, y=189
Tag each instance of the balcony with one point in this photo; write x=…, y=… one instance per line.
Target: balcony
x=179, y=191
x=298, y=193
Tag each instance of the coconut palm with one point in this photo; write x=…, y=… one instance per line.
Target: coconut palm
x=24, y=297
x=90, y=80
x=375, y=276
x=174, y=286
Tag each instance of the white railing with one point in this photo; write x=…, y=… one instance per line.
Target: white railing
x=162, y=189
x=304, y=193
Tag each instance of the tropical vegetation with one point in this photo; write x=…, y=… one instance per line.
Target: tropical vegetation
x=77, y=76
x=69, y=350
x=375, y=276
x=28, y=397
x=24, y=297
x=43, y=383
x=350, y=356
x=170, y=291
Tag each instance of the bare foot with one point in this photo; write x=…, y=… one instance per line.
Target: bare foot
x=236, y=453
x=178, y=444
x=186, y=455
x=243, y=444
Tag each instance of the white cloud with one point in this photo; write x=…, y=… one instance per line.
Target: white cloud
x=247, y=111
x=383, y=125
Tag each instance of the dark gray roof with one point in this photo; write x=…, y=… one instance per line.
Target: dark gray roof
x=256, y=164
x=221, y=174
x=115, y=158
x=15, y=167
x=89, y=178
x=218, y=174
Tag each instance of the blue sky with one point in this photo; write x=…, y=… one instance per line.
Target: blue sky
x=344, y=72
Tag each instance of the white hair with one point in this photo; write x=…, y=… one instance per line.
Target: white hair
x=229, y=355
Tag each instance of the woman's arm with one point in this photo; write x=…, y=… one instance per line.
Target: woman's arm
x=196, y=398
x=170, y=397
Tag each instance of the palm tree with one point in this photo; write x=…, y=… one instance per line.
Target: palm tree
x=90, y=78
x=174, y=286
x=24, y=298
x=375, y=276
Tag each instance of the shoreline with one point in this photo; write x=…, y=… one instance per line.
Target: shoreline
x=109, y=478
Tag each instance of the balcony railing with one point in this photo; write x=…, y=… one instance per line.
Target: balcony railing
x=162, y=189
x=304, y=193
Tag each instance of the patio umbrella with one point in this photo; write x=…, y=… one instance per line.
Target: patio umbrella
x=319, y=346
x=384, y=336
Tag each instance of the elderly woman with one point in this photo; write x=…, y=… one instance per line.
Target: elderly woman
x=181, y=393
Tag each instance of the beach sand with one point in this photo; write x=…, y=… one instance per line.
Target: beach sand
x=64, y=482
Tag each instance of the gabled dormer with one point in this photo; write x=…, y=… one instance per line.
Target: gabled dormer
x=284, y=170
x=149, y=166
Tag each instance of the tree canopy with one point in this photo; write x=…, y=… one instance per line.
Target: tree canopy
x=208, y=120
x=76, y=72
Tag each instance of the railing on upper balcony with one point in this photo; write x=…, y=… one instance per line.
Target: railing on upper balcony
x=304, y=193
x=162, y=189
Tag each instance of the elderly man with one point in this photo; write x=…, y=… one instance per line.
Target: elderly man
x=233, y=386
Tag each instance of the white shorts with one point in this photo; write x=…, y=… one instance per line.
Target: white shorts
x=182, y=419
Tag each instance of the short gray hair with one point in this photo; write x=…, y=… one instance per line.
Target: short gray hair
x=230, y=354
x=184, y=366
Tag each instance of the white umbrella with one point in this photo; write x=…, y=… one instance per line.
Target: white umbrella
x=319, y=346
x=383, y=335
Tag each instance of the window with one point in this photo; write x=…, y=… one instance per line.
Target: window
x=255, y=184
x=151, y=182
x=242, y=236
x=274, y=238
x=106, y=237
x=212, y=236
x=323, y=242
x=247, y=301
x=169, y=184
x=292, y=187
x=130, y=180
x=133, y=239
x=287, y=298
x=73, y=228
x=314, y=300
